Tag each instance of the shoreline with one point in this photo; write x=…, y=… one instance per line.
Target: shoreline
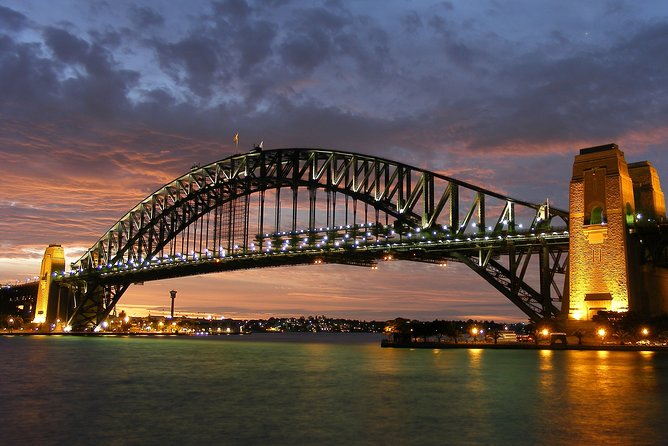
x=118, y=334
x=523, y=346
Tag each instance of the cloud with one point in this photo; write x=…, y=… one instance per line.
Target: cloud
x=11, y=19
x=195, y=61
x=144, y=17
x=67, y=48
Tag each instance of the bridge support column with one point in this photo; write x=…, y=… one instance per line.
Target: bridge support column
x=46, y=307
x=650, y=246
x=604, y=259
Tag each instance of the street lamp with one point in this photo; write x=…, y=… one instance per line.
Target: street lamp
x=644, y=331
x=601, y=333
x=474, y=333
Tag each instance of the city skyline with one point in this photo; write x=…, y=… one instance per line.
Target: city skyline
x=104, y=103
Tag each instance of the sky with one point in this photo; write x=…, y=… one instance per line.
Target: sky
x=103, y=102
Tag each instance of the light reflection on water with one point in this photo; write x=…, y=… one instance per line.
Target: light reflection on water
x=322, y=389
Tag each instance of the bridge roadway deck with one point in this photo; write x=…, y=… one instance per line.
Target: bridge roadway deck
x=429, y=251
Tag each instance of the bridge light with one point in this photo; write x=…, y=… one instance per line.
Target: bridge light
x=639, y=216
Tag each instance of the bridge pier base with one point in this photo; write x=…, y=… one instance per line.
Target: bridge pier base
x=46, y=307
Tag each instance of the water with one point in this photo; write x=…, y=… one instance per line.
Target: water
x=338, y=389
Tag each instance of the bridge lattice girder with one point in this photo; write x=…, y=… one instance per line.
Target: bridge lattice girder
x=415, y=197
x=207, y=213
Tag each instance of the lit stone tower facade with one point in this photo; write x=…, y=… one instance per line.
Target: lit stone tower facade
x=649, y=199
x=53, y=260
x=602, y=208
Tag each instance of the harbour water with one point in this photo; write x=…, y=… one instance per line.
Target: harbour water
x=322, y=389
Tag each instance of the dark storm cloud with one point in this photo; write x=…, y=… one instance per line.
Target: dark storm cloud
x=233, y=9
x=226, y=45
x=195, y=60
x=66, y=47
x=306, y=51
x=260, y=62
x=25, y=78
x=143, y=17
x=11, y=19
x=587, y=95
x=81, y=78
x=412, y=22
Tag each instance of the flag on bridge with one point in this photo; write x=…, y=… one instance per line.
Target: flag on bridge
x=236, y=138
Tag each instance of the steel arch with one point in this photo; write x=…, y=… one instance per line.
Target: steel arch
x=388, y=186
x=416, y=200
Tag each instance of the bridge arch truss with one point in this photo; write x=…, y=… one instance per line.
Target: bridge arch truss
x=306, y=204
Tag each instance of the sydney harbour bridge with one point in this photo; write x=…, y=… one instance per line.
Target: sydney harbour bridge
x=271, y=208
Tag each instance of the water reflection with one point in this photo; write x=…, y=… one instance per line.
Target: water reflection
x=328, y=393
x=604, y=401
